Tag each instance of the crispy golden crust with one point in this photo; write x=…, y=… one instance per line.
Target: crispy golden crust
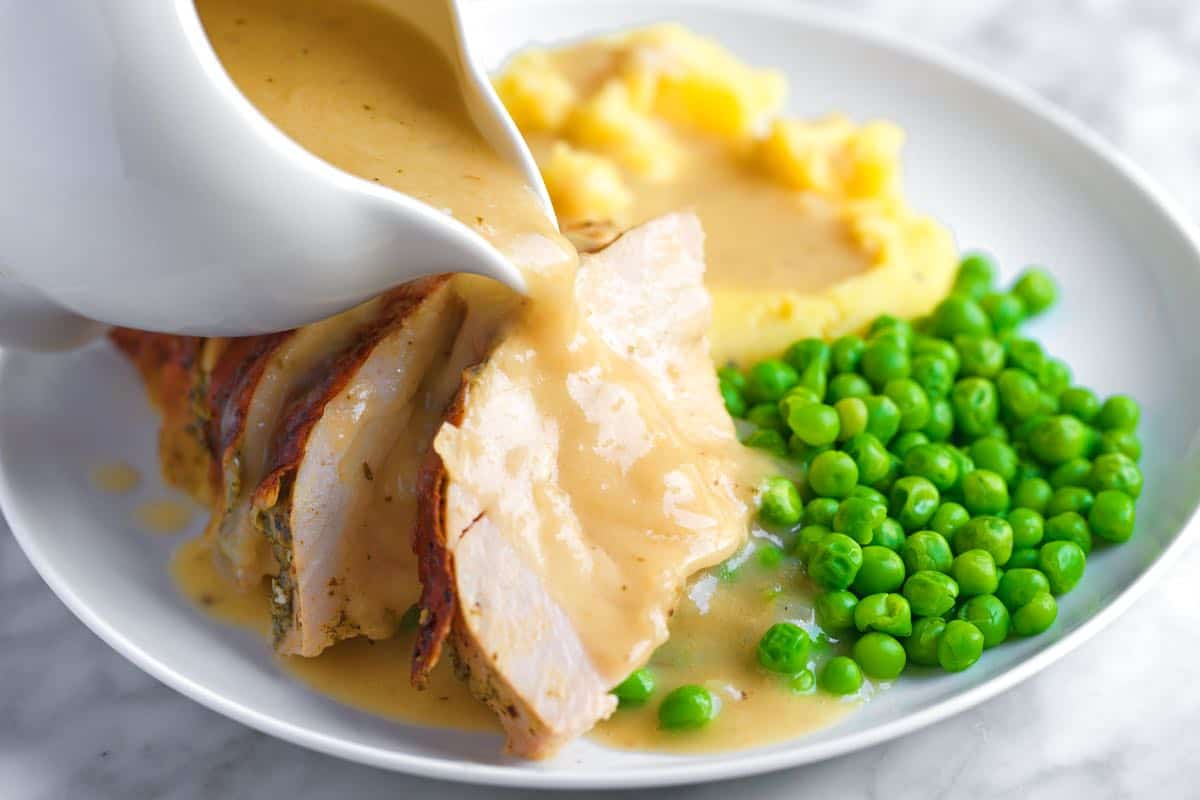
x=171, y=367
x=231, y=387
x=435, y=566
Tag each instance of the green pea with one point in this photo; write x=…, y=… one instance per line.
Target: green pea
x=735, y=404
x=930, y=593
x=880, y=656
x=926, y=550
x=784, y=648
x=933, y=375
x=1024, y=558
x=635, y=689
x=890, y=324
x=1028, y=527
x=835, y=610
x=794, y=405
x=869, y=456
x=1026, y=355
x=961, y=646
x=1069, y=527
x=1080, y=402
x=882, y=571
x=815, y=377
x=982, y=356
x=1124, y=442
x=807, y=539
x=883, y=360
x=1054, y=377
x=975, y=571
x=913, y=501
x=1113, y=516
x=1057, y=439
x=816, y=424
x=890, y=534
x=1119, y=412
x=820, y=511
x=994, y=455
x=852, y=417
x=871, y=494
x=766, y=416
x=805, y=352
x=941, y=420
x=835, y=561
x=948, y=518
x=934, y=463
x=1115, y=471
x=859, y=518
x=887, y=613
x=1070, y=498
x=832, y=474
x=687, y=708
x=957, y=314
x=922, y=645
x=796, y=397
x=1032, y=493
x=1035, y=616
x=779, y=502
x=1019, y=586
x=975, y=269
x=769, y=380
x=992, y=534
x=1020, y=396
x=985, y=492
x=974, y=404
x=846, y=353
x=841, y=675
x=1006, y=310
x=989, y=616
x=911, y=401
x=938, y=348
x=770, y=441
x=1062, y=563
x=803, y=682
x=1071, y=473
x=731, y=375
x=1036, y=288
x=890, y=477
x=847, y=384
x=883, y=417
x=907, y=441
x=965, y=466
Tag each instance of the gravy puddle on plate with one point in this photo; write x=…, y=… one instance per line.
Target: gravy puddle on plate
x=369, y=675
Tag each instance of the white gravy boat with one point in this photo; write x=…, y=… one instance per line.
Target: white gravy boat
x=139, y=187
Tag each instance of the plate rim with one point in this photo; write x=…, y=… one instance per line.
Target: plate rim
x=734, y=764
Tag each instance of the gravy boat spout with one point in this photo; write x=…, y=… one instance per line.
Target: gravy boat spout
x=139, y=187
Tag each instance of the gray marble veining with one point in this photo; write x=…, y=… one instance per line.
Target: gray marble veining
x=1115, y=719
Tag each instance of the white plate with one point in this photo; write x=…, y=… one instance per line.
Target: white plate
x=1002, y=169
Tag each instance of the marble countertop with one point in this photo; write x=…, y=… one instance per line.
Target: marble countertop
x=1115, y=719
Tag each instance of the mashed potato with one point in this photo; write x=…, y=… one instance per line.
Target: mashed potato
x=809, y=232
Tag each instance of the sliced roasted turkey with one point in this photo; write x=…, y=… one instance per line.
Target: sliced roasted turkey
x=585, y=470
x=339, y=469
